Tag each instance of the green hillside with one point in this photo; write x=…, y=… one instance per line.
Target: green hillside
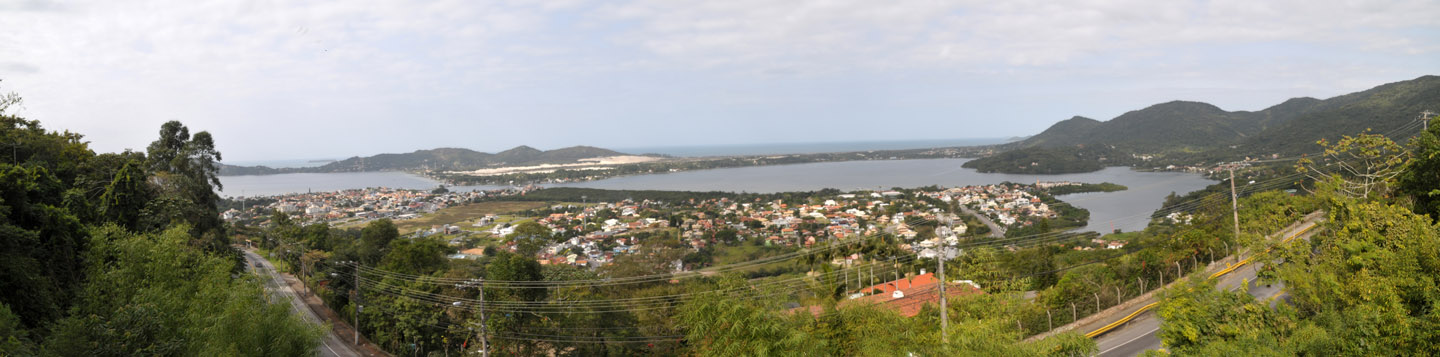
x=1180, y=132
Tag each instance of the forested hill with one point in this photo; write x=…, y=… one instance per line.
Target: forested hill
x=438, y=159
x=1187, y=132
x=1381, y=109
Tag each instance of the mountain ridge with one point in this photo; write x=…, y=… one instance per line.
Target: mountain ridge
x=1183, y=132
x=438, y=159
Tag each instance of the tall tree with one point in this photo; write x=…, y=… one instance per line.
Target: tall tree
x=375, y=240
x=1361, y=166
x=187, y=168
x=125, y=197
x=1421, y=179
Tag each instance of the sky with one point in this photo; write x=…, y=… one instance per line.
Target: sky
x=304, y=79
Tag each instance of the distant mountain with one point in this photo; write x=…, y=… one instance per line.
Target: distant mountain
x=441, y=159
x=1182, y=131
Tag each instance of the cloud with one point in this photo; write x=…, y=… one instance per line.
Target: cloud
x=287, y=71
x=18, y=67
x=848, y=34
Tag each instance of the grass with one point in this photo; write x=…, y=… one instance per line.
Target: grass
x=745, y=252
x=461, y=214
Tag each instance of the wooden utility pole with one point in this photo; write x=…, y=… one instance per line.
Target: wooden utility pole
x=356, y=301
x=1234, y=203
x=484, y=343
x=944, y=320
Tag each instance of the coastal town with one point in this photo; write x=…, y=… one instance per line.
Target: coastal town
x=593, y=234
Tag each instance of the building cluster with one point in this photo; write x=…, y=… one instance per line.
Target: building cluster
x=1101, y=243
x=1007, y=204
x=601, y=231
x=361, y=204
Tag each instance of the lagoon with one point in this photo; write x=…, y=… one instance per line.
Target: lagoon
x=1127, y=210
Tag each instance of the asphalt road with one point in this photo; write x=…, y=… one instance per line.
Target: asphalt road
x=995, y=230
x=1142, y=333
x=332, y=346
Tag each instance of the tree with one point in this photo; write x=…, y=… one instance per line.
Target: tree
x=717, y=325
x=40, y=245
x=155, y=295
x=187, y=168
x=417, y=256
x=14, y=338
x=1421, y=178
x=125, y=197
x=530, y=237
x=1365, y=285
x=1357, y=167
x=375, y=238
x=514, y=268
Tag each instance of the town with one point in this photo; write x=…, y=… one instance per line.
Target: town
x=594, y=234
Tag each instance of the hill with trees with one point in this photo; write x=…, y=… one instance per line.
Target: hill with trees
x=1182, y=132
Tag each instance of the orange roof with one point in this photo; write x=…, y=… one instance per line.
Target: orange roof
x=918, y=291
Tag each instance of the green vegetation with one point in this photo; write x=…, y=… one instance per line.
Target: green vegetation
x=1420, y=181
x=1364, y=285
x=124, y=253
x=1086, y=187
x=1043, y=160
x=1190, y=133
x=466, y=212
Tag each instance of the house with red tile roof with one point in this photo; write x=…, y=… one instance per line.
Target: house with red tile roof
x=906, y=295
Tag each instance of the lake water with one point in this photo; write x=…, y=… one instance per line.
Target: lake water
x=1128, y=210
x=806, y=148
x=269, y=185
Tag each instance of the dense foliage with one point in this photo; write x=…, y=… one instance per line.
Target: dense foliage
x=1044, y=160
x=1420, y=181
x=1086, y=187
x=1364, y=285
x=124, y=253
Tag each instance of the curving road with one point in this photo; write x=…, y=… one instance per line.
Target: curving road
x=333, y=345
x=1142, y=333
x=995, y=230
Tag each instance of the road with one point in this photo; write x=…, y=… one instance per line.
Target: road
x=333, y=345
x=995, y=230
x=1142, y=333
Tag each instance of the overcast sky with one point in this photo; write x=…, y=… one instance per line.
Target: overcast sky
x=333, y=79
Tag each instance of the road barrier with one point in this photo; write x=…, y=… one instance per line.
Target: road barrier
x=1267, y=250
x=1121, y=321
x=1103, y=329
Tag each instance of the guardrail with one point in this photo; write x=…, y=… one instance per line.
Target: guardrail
x=1121, y=321
x=1242, y=263
x=1103, y=329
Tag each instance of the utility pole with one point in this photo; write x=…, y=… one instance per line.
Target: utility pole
x=484, y=342
x=1425, y=119
x=944, y=320
x=356, y=302
x=1234, y=203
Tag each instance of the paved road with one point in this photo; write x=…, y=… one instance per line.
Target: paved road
x=995, y=230
x=332, y=346
x=1142, y=334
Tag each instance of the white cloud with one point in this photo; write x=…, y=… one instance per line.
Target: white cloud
x=274, y=73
